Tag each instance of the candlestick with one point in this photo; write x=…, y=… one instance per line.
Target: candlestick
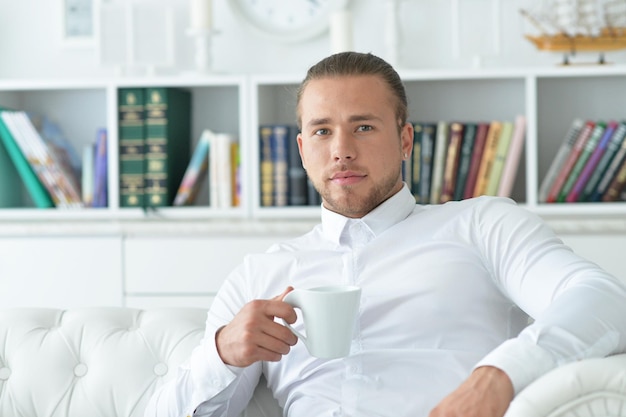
x=340, y=31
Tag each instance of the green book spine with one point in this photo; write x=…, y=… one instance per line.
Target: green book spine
x=582, y=160
x=131, y=146
x=466, y=158
x=40, y=196
x=167, y=143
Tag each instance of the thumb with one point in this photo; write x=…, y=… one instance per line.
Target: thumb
x=283, y=294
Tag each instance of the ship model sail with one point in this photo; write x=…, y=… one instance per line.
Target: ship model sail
x=571, y=26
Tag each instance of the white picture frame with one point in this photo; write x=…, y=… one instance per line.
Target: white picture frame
x=78, y=21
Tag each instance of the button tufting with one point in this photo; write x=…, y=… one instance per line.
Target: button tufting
x=5, y=373
x=160, y=369
x=80, y=370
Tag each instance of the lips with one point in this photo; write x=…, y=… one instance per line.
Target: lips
x=347, y=177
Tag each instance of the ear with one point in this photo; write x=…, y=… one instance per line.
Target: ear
x=299, y=139
x=406, y=138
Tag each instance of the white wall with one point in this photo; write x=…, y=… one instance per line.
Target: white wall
x=31, y=47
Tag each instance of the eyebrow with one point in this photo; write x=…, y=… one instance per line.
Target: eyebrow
x=354, y=118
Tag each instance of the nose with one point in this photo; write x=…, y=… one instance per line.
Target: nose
x=344, y=146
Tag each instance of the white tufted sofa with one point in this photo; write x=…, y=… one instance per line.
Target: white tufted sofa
x=107, y=362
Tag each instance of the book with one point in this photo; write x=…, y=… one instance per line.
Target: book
x=591, y=164
x=504, y=142
x=451, y=166
x=611, y=150
x=559, y=160
x=221, y=170
x=617, y=185
x=477, y=154
x=416, y=157
x=489, y=155
x=131, y=136
x=196, y=173
x=569, y=162
x=610, y=173
x=36, y=190
x=87, y=174
x=296, y=173
x=266, y=185
x=49, y=172
x=511, y=164
x=279, y=145
x=584, y=156
x=429, y=132
x=167, y=139
x=465, y=159
x=100, y=178
x=439, y=161
x=235, y=170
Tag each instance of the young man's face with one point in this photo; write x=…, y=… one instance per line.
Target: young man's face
x=350, y=144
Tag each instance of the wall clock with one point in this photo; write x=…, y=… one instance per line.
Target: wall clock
x=287, y=20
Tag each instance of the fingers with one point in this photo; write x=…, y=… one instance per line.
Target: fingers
x=253, y=335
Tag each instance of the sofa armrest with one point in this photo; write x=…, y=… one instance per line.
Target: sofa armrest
x=588, y=388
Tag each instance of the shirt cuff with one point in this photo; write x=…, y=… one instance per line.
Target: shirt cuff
x=522, y=361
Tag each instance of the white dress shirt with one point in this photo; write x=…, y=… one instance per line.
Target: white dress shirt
x=445, y=288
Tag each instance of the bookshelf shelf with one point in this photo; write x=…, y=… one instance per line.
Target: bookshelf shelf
x=550, y=98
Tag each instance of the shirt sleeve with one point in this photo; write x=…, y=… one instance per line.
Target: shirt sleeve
x=204, y=385
x=577, y=307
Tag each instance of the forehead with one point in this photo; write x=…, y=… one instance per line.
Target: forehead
x=347, y=91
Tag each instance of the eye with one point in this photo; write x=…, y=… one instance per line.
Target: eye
x=364, y=128
x=322, y=132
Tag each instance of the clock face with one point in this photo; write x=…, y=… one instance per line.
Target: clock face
x=288, y=20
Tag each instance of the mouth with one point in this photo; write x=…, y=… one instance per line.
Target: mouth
x=347, y=177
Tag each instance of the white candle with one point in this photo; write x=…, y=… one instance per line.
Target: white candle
x=200, y=13
x=341, y=31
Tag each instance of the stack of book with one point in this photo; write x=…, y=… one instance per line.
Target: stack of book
x=42, y=159
x=456, y=161
x=215, y=160
x=589, y=166
x=283, y=180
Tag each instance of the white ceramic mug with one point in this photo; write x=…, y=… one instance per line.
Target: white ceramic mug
x=329, y=314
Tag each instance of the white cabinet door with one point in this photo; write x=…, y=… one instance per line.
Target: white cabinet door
x=60, y=272
x=188, y=269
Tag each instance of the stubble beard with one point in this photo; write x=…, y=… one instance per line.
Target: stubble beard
x=350, y=201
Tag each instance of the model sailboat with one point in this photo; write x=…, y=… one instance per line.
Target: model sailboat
x=571, y=26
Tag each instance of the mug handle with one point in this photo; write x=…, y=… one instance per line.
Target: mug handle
x=294, y=331
x=291, y=299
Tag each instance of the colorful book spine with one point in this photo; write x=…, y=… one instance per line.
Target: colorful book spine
x=513, y=157
x=559, y=160
x=279, y=146
x=611, y=150
x=489, y=155
x=100, y=179
x=167, y=139
x=570, y=161
x=614, y=191
x=465, y=159
x=38, y=193
x=131, y=146
x=591, y=164
x=266, y=177
x=451, y=167
x=196, y=172
x=477, y=154
x=584, y=156
x=504, y=143
x=439, y=161
x=416, y=157
x=296, y=172
x=610, y=173
x=220, y=170
x=429, y=132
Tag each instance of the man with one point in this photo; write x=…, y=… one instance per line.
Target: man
x=443, y=287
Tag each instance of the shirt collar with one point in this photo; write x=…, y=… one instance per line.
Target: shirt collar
x=393, y=210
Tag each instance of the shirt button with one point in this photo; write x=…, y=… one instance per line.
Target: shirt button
x=160, y=369
x=80, y=370
x=5, y=373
